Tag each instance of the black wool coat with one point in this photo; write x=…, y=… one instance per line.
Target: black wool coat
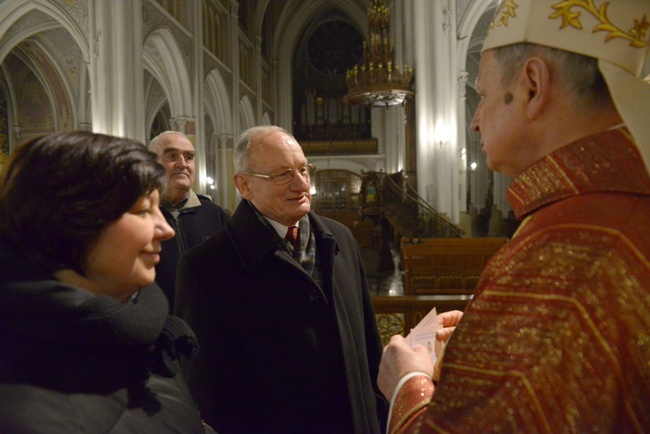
x=279, y=354
x=198, y=220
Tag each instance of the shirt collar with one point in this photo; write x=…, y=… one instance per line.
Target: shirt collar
x=279, y=227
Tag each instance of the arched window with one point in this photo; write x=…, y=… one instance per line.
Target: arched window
x=325, y=53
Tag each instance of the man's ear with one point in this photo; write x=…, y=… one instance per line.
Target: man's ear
x=241, y=182
x=537, y=79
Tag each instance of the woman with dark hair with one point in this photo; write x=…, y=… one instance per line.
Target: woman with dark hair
x=86, y=342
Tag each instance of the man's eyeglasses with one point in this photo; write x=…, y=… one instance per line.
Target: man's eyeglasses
x=286, y=176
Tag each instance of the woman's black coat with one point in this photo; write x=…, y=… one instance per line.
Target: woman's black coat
x=72, y=362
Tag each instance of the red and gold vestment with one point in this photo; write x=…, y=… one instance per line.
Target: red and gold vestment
x=557, y=337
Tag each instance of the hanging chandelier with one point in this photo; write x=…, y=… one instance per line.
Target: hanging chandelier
x=378, y=81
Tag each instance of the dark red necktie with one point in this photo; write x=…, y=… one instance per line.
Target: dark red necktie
x=292, y=236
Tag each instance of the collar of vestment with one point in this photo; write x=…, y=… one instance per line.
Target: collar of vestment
x=604, y=162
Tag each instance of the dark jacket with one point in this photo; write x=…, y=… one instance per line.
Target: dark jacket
x=198, y=219
x=72, y=362
x=279, y=354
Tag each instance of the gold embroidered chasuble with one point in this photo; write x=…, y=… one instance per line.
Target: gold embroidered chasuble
x=557, y=337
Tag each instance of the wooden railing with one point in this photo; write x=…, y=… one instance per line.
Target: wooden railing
x=399, y=314
x=402, y=204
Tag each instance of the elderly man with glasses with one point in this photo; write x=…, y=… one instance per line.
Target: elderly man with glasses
x=288, y=336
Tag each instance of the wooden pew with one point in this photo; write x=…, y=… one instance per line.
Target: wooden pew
x=445, y=265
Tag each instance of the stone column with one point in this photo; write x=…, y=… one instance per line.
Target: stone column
x=257, y=71
x=227, y=192
x=411, y=166
x=233, y=50
x=116, y=72
x=198, y=127
x=462, y=141
x=436, y=104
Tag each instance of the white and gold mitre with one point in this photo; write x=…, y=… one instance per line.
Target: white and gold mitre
x=616, y=32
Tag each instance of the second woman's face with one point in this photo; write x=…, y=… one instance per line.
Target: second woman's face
x=124, y=258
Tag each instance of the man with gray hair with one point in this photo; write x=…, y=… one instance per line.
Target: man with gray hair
x=280, y=306
x=555, y=338
x=193, y=216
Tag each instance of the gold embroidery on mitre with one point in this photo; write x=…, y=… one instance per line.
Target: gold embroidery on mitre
x=504, y=12
x=565, y=9
x=570, y=17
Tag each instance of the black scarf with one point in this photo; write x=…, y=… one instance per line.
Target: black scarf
x=61, y=337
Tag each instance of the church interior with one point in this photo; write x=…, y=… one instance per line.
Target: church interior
x=379, y=93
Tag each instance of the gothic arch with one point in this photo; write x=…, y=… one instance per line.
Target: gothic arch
x=290, y=28
x=246, y=113
x=217, y=101
x=155, y=101
x=47, y=88
x=466, y=27
x=258, y=18
x=266, y=119
x=162, y=57
x=13, y=12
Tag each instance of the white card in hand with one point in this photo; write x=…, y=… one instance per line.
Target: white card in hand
x=425, y=334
